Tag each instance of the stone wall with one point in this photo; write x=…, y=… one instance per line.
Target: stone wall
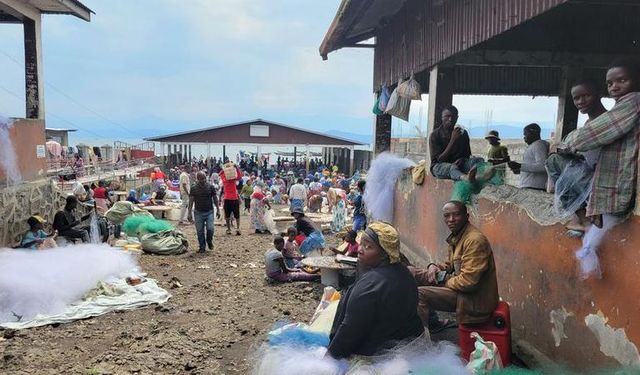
x=19, y=202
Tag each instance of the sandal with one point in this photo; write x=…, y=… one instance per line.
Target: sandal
x=228, y=231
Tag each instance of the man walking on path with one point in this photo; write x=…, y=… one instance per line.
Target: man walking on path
x=231, y=199
x=185, y=188
x=204, y=197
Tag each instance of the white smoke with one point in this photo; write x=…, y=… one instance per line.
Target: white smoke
x=381, y=183
x=587, y=255
x=8, y=158
x=45, y=281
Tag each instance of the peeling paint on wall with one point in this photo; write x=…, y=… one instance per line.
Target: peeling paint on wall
x=613, y=341
x=557, y=318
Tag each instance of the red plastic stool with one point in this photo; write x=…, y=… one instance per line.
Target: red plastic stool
x=497, y=329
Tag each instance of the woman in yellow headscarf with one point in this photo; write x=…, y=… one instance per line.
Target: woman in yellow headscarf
x=380, y=309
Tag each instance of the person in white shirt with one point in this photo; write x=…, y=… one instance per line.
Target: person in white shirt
x=185, y=189
x=533, y=174
x=298, y=195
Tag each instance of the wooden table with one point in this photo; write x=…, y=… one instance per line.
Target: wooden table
x=155, y=209
x=329, y=269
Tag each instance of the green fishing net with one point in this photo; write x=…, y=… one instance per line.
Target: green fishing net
x=464, y=191
x=139, y=225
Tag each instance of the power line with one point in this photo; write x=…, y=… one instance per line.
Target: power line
x=95, y=113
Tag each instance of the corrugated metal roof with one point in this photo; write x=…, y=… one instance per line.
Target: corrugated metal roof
x=70, y=7
x=240, y=135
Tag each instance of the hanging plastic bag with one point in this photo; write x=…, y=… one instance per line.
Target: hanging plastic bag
x=376, y=107
x=398, y=106
x=410, y=89
x=573, y=188
x=383, y=99
x=485, y=357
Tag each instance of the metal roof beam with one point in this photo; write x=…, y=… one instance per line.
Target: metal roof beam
x=532, y=59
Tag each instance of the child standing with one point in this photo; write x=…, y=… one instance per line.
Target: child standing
x=276, y=268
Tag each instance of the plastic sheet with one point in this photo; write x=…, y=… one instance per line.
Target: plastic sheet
x=572, y=188
x=381, y=182
x=587, y=255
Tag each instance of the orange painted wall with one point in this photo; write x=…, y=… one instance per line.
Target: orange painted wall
x=25, y=136
x=537, y=271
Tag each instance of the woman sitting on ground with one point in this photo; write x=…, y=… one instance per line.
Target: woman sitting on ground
x=379, y=311
x=36, y=238
x=315, y=239
x=276, y=268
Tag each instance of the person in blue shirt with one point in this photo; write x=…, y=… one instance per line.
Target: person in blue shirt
x=359, y=212
x=36, y=235
x=132, y=197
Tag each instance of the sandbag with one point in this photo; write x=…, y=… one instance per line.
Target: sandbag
x=230, y=171
x=410, y=89
x=122, y=210
x=168, y=242
x=398, y=106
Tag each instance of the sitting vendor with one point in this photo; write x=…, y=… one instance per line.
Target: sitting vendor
x=379, y=311
x=315, y=239
x=66, y=223
x=350, y=245
x=36, y=238
x=132, y=197
x=276, y=268
x=158, y=197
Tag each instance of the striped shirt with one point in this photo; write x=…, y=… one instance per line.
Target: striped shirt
x=618, y=133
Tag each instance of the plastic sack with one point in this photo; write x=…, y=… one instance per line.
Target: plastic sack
x=485, y=358
x=120, y=211
x=410, y=89
x=230, y=171
x=398, y=106
x=376, y=107
x=168, y=242
x=383, y=99
x=269, y=223
x=573, y=188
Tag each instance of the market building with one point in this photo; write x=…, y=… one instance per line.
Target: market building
x=519, y=47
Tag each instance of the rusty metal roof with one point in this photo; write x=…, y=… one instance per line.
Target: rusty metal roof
x=240, y=133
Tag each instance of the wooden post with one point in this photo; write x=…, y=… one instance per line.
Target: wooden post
x=567, y=120
x=440, y=95
x=295, y=155
x=382, y=137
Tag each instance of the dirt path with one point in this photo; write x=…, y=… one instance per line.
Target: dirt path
x=211, y=325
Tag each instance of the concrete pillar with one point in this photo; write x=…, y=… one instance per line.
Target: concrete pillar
x=440, y=95
x=190, y=156
x=352, y=152
x=382, y=134
x=295, y=155
x=34, y=83
x=567, y=119
x=224, y=152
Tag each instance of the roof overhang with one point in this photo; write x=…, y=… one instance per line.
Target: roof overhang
x=356, y=21
x=20, y=8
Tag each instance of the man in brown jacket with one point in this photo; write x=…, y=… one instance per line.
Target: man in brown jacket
x=466, y=283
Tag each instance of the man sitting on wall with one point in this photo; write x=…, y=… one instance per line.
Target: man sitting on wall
x=532, y=171
x=451, y=149
x=466, y=283
x=67, y=224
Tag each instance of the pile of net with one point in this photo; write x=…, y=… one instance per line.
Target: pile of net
x=137, y=226
x=464, y=191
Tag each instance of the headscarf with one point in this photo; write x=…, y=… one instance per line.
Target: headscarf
x=132, y=193
x=385, y=236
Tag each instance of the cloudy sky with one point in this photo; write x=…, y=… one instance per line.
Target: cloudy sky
x=149, y=67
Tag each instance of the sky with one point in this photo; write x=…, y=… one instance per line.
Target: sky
x=150, y=67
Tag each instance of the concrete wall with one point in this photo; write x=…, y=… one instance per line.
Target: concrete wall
x=28, y=134
x=579, y=323
x=19, y=202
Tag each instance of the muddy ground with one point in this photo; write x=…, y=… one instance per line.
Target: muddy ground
x=211, y=325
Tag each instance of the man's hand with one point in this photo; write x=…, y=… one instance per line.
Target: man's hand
x=515, y=166
x=432, y=272
x=459, y=163
x=455, y=134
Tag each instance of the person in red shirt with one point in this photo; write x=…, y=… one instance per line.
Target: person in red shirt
x=231, y=199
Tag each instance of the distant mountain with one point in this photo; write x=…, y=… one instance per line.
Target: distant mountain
x=506, y=132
